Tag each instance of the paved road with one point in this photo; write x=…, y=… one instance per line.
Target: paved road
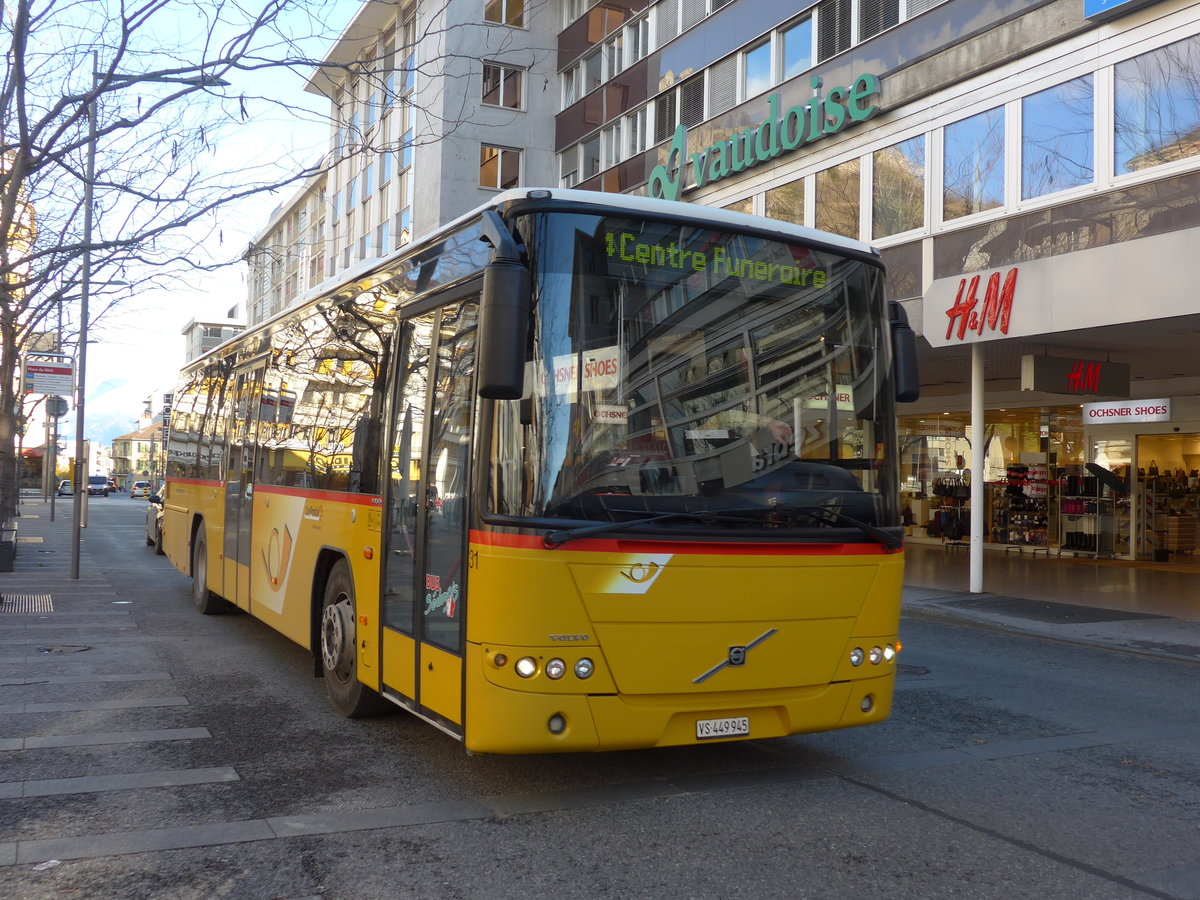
x=189, y=756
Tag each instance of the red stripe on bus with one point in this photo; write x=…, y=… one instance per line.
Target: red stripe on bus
x=310, y=494
x=631, y=545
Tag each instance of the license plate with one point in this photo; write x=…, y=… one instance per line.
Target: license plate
x=736, y=726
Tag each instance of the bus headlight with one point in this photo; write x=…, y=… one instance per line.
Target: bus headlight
x=556, y=669
x=889, y=653
x=584, y=668
x=876, y=656
x=526, y=667
x=856, y=656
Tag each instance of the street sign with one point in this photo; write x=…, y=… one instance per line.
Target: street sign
x=56, y=407
x=48, y=373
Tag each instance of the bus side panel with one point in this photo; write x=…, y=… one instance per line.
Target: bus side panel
x=292, y=532
x=185, y=500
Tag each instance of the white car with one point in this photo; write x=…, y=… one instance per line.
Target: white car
x=140, y=489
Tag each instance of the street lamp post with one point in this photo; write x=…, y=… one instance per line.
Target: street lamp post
x=79, y=475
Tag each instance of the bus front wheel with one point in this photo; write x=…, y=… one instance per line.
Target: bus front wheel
x=206, y=601
x=339, y=656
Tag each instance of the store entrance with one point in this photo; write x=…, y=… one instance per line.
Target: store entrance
x=1167, y=497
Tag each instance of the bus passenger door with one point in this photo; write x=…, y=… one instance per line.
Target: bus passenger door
x=239, y=488
x=424, y=590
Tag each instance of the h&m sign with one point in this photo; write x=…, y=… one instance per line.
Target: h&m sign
x=1068, y=375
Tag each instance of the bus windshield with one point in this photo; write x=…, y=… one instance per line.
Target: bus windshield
x=691, y=378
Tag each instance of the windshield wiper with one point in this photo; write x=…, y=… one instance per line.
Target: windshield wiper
x=891, y=541
x=555, y=538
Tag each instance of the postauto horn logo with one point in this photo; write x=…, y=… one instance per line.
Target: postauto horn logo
x=773, y=136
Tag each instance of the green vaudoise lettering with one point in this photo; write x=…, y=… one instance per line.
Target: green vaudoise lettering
x=719, y=260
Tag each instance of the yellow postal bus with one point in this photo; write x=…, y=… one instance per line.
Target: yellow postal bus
x=577, y=472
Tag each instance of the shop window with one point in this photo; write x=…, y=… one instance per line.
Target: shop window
x=745, y=205
x=1157, y=112
x=786, y=202
x=837, y=199
x=898, y=188
x=1057, y=129
x=973, y=172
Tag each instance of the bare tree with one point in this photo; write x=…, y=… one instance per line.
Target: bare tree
x=169, y=83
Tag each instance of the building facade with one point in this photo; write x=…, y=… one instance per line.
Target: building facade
x=288, y=256
x=1031, y=174
x=200, y=337
x=138, y=456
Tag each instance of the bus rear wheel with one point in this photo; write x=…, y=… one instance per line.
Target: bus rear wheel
x=339, y=649
x=206, y=601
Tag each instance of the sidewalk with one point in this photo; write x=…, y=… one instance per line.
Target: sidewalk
x=1134, y=607
x=1140, y=608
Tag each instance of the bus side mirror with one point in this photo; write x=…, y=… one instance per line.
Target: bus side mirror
x=503, y=316
x=904, y=355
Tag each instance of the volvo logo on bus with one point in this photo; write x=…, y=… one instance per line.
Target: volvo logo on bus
x=736, y=657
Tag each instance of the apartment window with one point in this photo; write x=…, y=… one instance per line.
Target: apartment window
x=610, y=145
x=385, y=169
x=797, y=48
x=1157, y=106
x=593, y=72
x=499, y=167
x=366, y=181
x=591, y=157
x=637, y=40
x=383, y=237
x=666, y=22
x=973, y=170
x=502, y=85
x=833, y=28
x=693, y=11
x=756, y=70
x=1056, y=138
x=613, y=62
x=569, y=90
x=722, y=85
x=898, y=188
x=691, y=101
x=635, y=133
x=568, y=168
x=876, y=15
x=838, y=199
x=786, y=202
x=505, y=12
x=664, y=116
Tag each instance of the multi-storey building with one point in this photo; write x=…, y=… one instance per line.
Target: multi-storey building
x=288, y=256
x=137, y=456
x=200, y=337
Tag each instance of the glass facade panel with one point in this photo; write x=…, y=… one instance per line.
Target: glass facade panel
x=898, y=190
x=838, y=199
x=974, y=164
x=786, y=202
x=1057, y=131
x=1157, y=107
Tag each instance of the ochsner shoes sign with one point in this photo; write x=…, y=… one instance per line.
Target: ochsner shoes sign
x=1127, y=411
x=776, y=134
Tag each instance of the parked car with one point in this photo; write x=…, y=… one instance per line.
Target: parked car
x=154, y=520
x=140, y=489
x=98, y=485
x=65, y=489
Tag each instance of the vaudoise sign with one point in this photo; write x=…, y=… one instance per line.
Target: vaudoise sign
x=773, y=136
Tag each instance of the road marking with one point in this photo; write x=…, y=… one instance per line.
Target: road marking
x=95, y=738
x=93, y=784
x=91, y=705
